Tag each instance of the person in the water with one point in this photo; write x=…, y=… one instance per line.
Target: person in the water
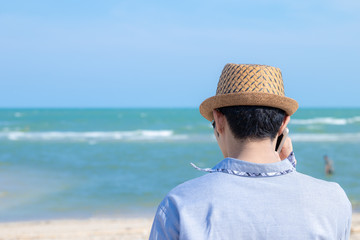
x=329, y=168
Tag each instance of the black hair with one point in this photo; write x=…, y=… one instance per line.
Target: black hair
x=253, y=122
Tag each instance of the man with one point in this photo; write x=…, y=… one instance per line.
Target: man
x=254, y=193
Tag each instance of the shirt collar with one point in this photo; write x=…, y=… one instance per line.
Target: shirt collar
x=249, y=169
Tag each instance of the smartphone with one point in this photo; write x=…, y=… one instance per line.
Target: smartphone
x=281, y=140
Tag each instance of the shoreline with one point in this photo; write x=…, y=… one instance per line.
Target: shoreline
x=126, y=228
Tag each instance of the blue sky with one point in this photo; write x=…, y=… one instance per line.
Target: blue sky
x=171, y=53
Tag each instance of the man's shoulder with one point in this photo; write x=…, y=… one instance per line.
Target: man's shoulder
x=195, y=185
x=194, y=189
x=323, y=189
x=316, y=182
x=184, y=192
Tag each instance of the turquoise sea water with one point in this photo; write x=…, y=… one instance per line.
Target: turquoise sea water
x=61, y=163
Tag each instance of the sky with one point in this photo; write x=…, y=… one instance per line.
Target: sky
x=124, y=54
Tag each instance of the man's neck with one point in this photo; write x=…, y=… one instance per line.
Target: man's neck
x=253, y=151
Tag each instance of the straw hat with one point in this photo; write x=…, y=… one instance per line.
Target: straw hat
x=249, y=85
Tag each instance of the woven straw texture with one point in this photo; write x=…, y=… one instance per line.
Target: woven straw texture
x=249, y=85
x=250, y=78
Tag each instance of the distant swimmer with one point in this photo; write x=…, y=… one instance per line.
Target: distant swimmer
x=329, y=169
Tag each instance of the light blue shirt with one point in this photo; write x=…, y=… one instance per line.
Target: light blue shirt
x=243, y=200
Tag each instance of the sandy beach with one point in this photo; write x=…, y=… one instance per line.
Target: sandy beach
x=96, y=229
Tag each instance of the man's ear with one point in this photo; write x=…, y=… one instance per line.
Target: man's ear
x=284, y=124
x=219, y=121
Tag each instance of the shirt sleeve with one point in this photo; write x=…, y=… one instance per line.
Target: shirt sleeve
x=348, y=229
x=166, y=223
x=345, y=217
x=348, y=226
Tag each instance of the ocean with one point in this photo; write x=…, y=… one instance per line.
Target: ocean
x=79, y=163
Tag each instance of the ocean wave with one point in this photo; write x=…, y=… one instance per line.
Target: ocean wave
x=138, y=135
x=325, y=137
x=18, y=114
x=94, y=137
x=326, y=121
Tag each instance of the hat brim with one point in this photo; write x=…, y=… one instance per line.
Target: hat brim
x=287, y=104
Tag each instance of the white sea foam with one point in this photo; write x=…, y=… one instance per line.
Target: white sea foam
x=155, y=136
x=325, y=137
x=326, y=121
x=95, y=136
x=18, y=114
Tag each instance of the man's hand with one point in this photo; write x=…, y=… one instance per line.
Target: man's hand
x=286, y=149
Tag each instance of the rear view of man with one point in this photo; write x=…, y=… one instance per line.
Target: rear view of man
x=254, y=192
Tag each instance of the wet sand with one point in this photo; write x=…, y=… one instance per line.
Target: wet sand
x=96, y=229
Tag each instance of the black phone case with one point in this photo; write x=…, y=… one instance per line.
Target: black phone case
x=278, y=141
